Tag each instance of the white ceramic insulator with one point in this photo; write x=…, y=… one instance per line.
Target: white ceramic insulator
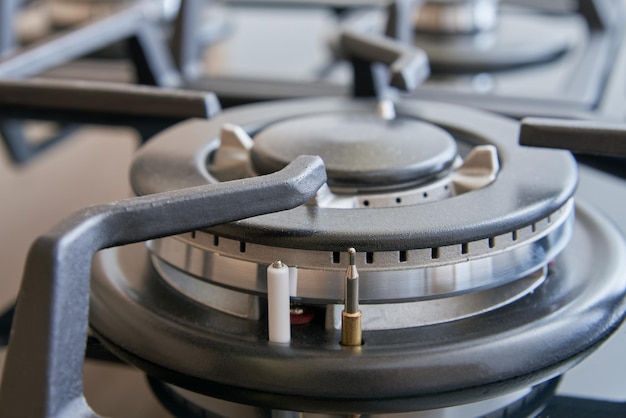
x=293, y=281
x=278, y=303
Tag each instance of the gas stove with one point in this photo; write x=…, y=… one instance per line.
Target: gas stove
x=367, y=256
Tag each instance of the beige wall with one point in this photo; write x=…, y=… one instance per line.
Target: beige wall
x=89, y=167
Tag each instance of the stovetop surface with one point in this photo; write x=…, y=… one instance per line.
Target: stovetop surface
x=90, y=168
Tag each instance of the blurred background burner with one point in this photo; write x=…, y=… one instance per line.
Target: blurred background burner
x=511, y=56
x=475, y=38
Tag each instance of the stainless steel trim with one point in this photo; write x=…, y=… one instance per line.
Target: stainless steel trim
x=386, y=276
x=242, y=305
x=436, y=311
x=375, y=316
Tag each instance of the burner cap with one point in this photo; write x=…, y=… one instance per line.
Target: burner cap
x=531, y=184
x=359, y=149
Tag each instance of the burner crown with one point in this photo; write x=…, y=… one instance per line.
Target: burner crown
x=359, y=150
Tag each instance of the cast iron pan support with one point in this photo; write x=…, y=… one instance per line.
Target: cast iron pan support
x=598, y=144
x=599, y=14
x=44, y=364
x=399, y=20
x=586, y=137
x=186, y=52
x=370, y=54
x=145, y=108
x=151, y=58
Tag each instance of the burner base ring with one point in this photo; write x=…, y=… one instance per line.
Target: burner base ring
x=517, y=405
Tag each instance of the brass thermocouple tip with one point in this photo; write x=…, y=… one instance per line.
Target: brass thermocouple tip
x=351, y=315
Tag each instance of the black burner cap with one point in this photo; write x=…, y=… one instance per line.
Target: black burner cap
x=359, y=149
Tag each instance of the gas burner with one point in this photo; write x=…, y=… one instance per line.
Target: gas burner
x=470, y=284
x=529, y=59
x=472, y=37
x=519, y=39
x=455, y=17
x=461, y=298
x=399, y=231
